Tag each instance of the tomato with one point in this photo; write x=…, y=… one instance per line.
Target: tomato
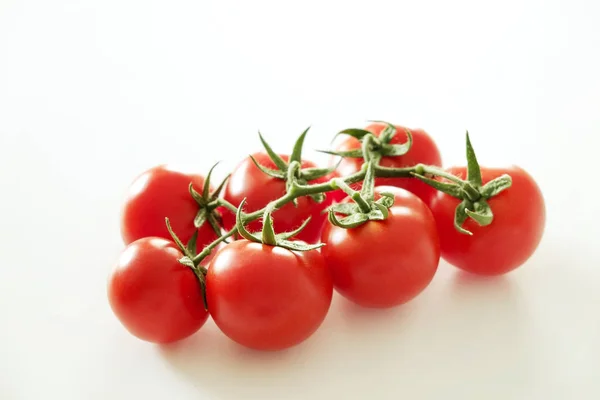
x=156, y=298
x=511, y=238
x=247, y=181
x=385, y=263
x=266, y=297
x=158, y=193
x=423, y=151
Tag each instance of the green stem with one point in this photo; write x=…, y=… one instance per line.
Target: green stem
x=356, y=196
x=268, y=233
x=385, y=172
x=292, y=171
x=471, y=192
x=362, y=203
x=423, y=169
x=227, y=205
x=305, y=190
x=340, y=184
x=366, y=147
x=208, y=248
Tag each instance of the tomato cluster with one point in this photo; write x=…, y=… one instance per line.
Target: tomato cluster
x=263, y=252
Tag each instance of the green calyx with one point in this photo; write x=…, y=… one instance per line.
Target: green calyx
x=373, y=147
x=268, y=235
x=192, y=260
x=292, y=171
x=364, y=206
x=189, y=252
x=474, y=195
x=208, y=203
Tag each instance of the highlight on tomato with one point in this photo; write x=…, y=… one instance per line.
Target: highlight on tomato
x=154, y=296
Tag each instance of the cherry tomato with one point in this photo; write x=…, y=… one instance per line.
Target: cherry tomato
x=155, y=297
x=247, y=181
x=266, y=297
x=385, y=263
x=423, y=150
x=511, y=238
x=158, y=193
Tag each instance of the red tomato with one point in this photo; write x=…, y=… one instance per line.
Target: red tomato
x=423, y=151
x=247, y=181
x=384, y=263
x=158, y=193
x=155, y=297
x=511, y=238
x=266, y=297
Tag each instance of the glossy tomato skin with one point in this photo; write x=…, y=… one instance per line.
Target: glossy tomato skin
x=247, y=181
x=423, y=151
x=382, y=264
x=512, y=237
x=158, y=193
x=265, y=297
x=155, y=297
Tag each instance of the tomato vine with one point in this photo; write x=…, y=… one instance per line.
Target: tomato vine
x=245, y=250
x=470, y=191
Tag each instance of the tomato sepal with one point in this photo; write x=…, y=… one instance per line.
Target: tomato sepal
x=460, y=216
x=394, y=150
x=356, y=133
x=452, y=189
x=495, y=186
x=292, y=171
x=482, y=212
x=185, y=249
x=188, y=259
x=387, y=133
x=268, y=235
x=191, y=244
x=200, y=218
x=349, y=222
x=473, y=169
x=373, y=148
x=297, y=150
x=271, y=172
x=344, y=208
x=207, y=203
x=309, y=174
x=348, y=153
x=277, y=160
x=471, y=191
x=364, y=207
x=219, y=189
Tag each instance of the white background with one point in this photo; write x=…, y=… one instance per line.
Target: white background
x=94, y=92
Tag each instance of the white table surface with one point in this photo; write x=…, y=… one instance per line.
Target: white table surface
x=94, y=92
